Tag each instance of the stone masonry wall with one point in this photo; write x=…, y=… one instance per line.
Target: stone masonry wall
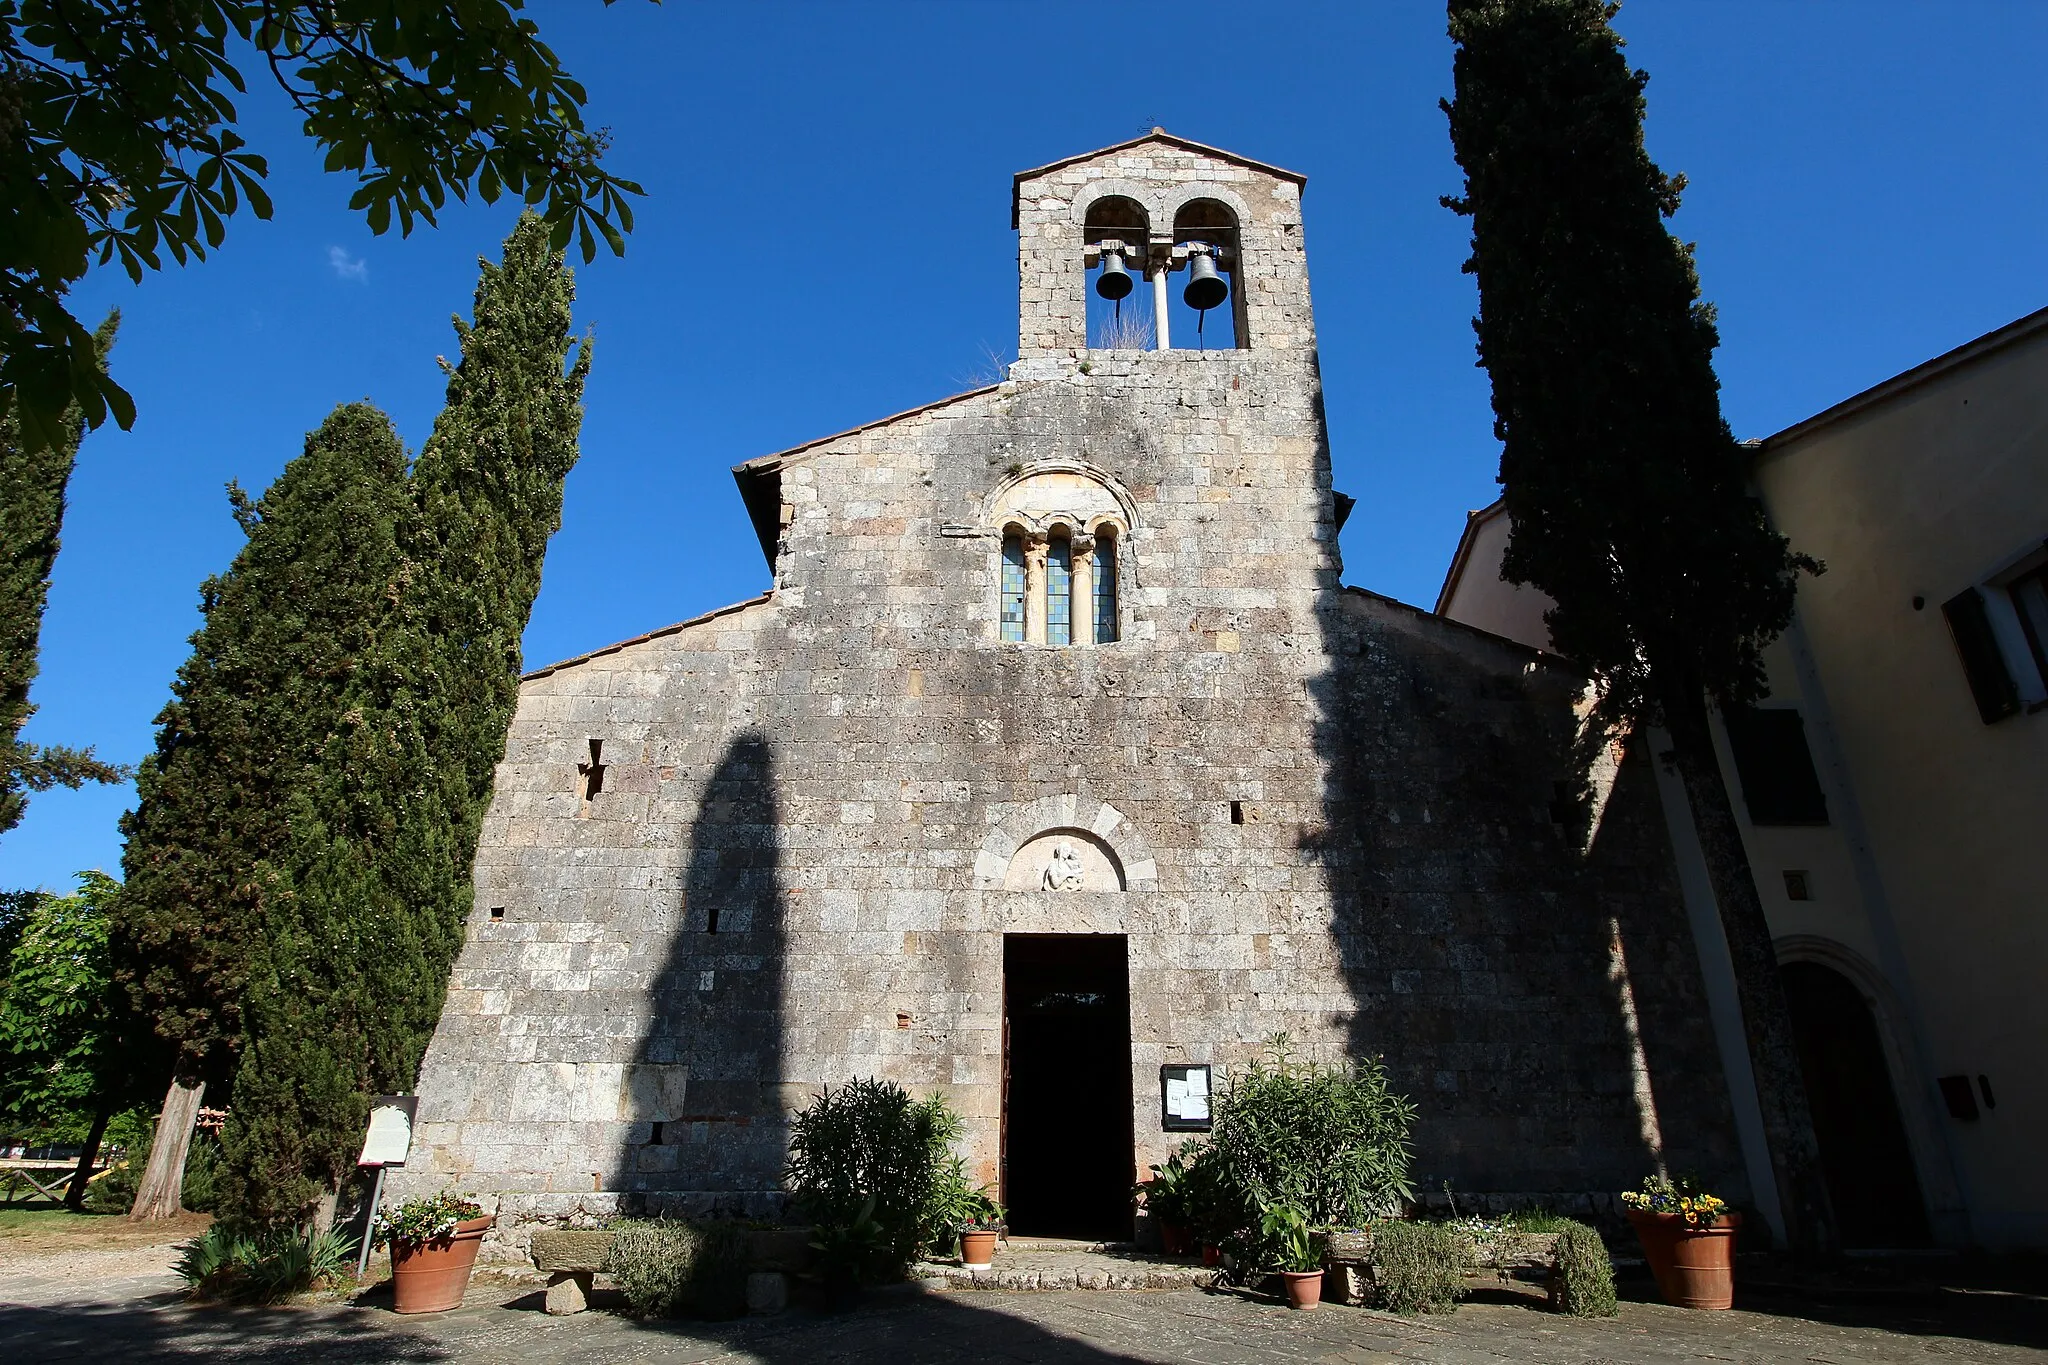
x=842, y=772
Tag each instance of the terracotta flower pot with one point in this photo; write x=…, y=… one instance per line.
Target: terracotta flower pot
x=1211, y=1254
x=1304, y=1287
x=977, y=1248
x=1694, y=1266
x=429, y=1277
x=1173, y=1238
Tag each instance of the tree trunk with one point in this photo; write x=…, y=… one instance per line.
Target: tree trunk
x=163, y=1183
x=1766, y=1021
x=74, y=1198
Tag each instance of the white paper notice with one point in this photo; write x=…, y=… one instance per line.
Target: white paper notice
x=389, y=1139
x=1198, y=1095
x=1177, y=1099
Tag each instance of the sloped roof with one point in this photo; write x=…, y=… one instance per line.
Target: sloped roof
x=1159, y=135
x=643, y=639
x=1990, y=343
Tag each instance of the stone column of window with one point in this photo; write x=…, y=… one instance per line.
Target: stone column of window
x=1034, y=589
x=1084, y=590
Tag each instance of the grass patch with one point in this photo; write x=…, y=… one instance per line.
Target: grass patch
x=1540, y=1220
x=32, y=1220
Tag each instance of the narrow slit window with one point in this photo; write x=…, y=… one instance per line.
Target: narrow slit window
x=1105, y=587
x=1059, y=592
x=1013, y=589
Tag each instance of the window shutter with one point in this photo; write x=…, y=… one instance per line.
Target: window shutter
x=1779, y=784
x=1983, y=663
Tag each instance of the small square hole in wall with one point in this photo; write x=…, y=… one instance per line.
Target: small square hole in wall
x=902, y=1021
x=1797, y=888
x=497, y=912
x=654, y=1137
x=1237, y=812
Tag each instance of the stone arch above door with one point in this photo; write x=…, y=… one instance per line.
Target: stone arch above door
x=1065, y=842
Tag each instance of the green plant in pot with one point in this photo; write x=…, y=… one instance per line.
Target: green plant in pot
x=1688, y=1237
x=1168, y=1197
x=434, y=1241
x=854, y=1253
x=981, y=1223
x=1293, y=1247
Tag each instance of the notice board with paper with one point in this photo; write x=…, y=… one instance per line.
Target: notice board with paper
x=1184, y=1099
x=389, y=1139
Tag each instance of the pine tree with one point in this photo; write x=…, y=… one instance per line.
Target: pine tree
x=1628, y=495
x=384, y=834
x=33, y=478
x=286, y=629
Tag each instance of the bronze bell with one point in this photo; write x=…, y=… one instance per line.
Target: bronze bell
x=1115, y=281
x=1205, y=288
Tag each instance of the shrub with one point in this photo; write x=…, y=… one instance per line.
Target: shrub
x=1585, y=1270
x=650, y=1260
x=855, y=1251
x=1417, y=1267
x=869, y=1152
x=670, y=1268
x=1332, y=1139
x=264, y=1267
x=114, y=1190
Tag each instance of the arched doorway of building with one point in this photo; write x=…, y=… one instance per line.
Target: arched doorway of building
x=1863, y=1147
x=1067, y=1140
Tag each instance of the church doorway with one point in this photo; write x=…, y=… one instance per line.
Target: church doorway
x=1863, y=1149
x=1067, y=1146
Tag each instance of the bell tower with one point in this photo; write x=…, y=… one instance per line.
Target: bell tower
x=1160, y=244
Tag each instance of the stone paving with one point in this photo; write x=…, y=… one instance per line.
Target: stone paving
x=127, y=1317
x=1045, y=1264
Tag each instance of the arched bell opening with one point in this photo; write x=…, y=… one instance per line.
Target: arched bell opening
x=1116, y=239
x=1207, y=304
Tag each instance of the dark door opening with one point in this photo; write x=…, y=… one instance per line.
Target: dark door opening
x=1067, y=1142
x=1863, y=1151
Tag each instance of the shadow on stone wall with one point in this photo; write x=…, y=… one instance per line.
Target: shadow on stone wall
x=710, y=1139
x=1487, y=927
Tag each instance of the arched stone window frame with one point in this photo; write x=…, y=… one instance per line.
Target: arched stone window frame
x=1912, y=1086
x=1038, y=527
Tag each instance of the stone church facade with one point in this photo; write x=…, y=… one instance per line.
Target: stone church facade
x=1058, y=755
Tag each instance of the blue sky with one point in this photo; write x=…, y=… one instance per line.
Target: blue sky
x=826, y=240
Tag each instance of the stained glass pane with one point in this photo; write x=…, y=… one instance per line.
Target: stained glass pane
x=1105, y=589
x=1013, y=589
x=1059, y=593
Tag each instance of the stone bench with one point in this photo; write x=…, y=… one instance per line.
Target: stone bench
x=572, y=1258
x=1351, y=1254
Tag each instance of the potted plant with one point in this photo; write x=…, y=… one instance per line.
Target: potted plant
x=981, y=1223
x=1688, y=1238
x=1166, y=1197
x=852, y=1254
x=1284, y=1229
x=434, y=1241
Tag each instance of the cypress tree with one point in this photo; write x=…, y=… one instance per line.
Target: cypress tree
x=1628, y=495
x=33, y=478
x=384, y=833
x=286, y=629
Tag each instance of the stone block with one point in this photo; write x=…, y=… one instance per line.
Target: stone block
x=767, y=1291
